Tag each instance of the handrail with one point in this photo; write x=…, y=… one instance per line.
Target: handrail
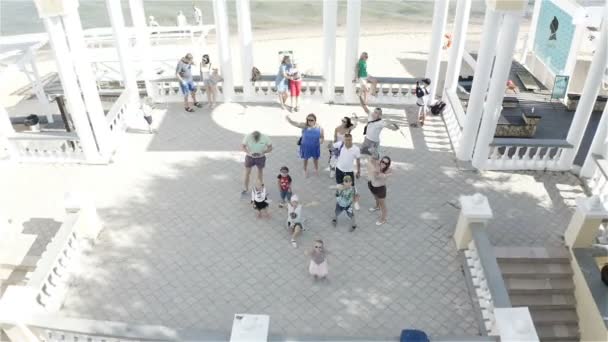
x=44, y=136
x=531, y=142
x=455, y=104
x=496, y=284
x=117, y=106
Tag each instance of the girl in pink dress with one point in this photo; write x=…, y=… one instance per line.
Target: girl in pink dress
x=318, y=261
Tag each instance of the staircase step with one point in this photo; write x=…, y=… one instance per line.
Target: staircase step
x=544, y=301
x=543, y=255
x=549, y=317
x=534, y=270
x=539, y=286
x=558, y=332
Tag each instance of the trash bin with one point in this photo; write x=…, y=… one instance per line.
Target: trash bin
x=33, y=122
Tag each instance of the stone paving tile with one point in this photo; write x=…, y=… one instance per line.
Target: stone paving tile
x=182, y=248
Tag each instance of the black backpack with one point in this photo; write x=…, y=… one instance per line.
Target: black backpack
x=438, y=107
x=256, y=75
x=419, y=92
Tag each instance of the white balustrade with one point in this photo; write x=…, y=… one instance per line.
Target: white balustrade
x=54, y=147
x=598, y=183
x=480, y=284
x=400, y=93
x=522, y=154
x=453, y=117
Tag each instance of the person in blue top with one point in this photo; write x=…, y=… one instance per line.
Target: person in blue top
x=311, y=141
x=282, y=80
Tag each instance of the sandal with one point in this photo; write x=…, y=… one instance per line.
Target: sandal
x=189, y=109
x=379, y=223
x=198, y=104
x=297, y=108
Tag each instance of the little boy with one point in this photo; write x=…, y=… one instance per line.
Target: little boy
x=284, y=182
x=345, y=196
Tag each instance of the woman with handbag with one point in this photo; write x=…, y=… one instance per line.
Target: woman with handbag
x=310, y=142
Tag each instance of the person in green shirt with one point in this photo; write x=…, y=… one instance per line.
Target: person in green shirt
x=364, y=78
x=255, y=146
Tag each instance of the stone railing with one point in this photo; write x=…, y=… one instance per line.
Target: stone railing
x=598, y=183
x=484, y=276
x=526, y=154
x=116, y=117
x=453, y=117
x=394, y=90
x=54, y=147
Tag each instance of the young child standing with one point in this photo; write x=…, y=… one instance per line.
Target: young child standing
x=318, y=261
x=284, y=182
x=345, y=195
x=259, y=200
x=294, y=219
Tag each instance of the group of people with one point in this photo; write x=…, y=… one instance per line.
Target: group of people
x=345, y=166
x=289, y=79
x=209, y=76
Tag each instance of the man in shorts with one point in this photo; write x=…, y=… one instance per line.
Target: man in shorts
x=373, y=128
x=348, y=155
x=255, y=146
x=183, y=72
x=363, y=77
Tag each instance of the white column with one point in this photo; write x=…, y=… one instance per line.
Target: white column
x=500, y=74
x=588, y=96
x=463, y=9
x=71, y=89
x=142, y=36
x=598, y=146
x=223, y=40
x=245, y=37
x=532, y=30
x=122, y=46
x=440, y=16
x=87, y=82
x=353, y=23
x=481, y=78
x=330, y=26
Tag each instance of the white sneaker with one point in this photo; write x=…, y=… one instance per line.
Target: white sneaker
x=357, y=207
x=373, y=209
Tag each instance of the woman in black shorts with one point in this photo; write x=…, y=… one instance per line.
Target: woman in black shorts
x=378, y=171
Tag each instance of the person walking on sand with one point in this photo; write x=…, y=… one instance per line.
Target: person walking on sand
x=281, y=80
x=183, y=72
x=346, y=127
x=379, y=169
x=373, y=128
x=311, y=141
x=318, y=260
x=364, y=78
x=294, y=219
x=345, y=195
x=259, y=200
x=255, y=146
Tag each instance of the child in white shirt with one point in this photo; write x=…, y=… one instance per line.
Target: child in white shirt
x=259, y=199
x=294, y=219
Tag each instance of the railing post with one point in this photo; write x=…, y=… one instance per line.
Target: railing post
x=473, y=209
x=515, y=324
x=84, y=205
x=585, y=222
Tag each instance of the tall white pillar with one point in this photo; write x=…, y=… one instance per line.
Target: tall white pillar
x=500, y=74
x=87, y=81
x=245, y=37
x=353, y=26
x=71, y=89
x=588, y=96
x=463, y=9
x=598, y=146
x=330, y=26
x=223, y=40
x=142, y=37
x=532, y=30
x=122, y=46
x=481, y=78
x=433, y=63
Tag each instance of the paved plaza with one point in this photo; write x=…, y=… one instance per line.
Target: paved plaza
x=181, y=247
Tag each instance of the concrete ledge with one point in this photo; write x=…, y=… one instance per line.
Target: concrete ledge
x=531, y=142
x=585, y=258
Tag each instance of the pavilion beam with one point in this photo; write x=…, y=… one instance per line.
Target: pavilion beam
x=586, y=103
x=353, y=28
x=330, y=26
x=243, y=13
x=481, y=78
x=463, y=10
x=223, y=40
x=138, y=17
x=500, y=74
x=433, y=64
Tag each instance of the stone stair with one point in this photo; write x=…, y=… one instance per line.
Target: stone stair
x=541, y=279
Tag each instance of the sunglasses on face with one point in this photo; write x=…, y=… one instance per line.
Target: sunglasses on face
x=310, y=120
x=318, y=247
